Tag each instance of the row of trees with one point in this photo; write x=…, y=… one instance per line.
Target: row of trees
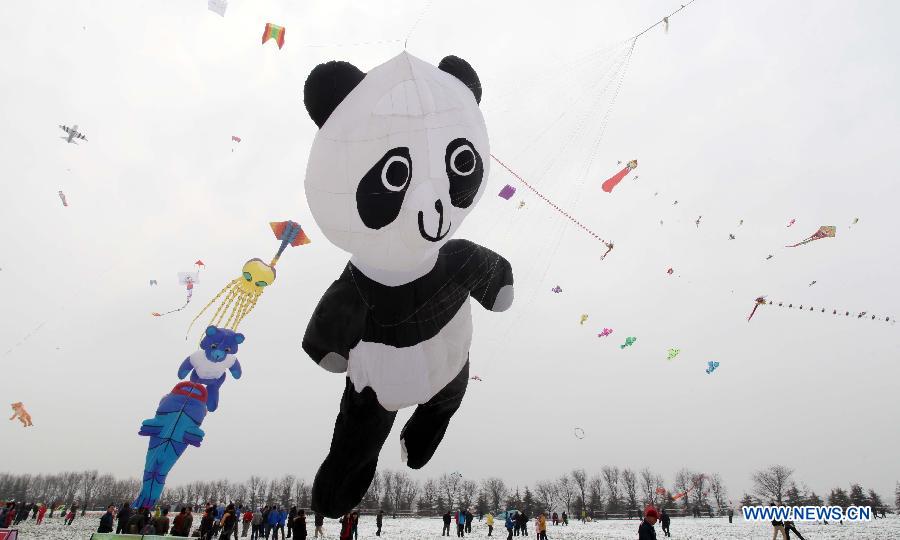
x=613, y=490
x=776, y=484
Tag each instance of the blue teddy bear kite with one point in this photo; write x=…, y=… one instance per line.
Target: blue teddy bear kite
x=207, y=366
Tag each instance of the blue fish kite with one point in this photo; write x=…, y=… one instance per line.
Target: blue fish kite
x=629, y=341
x=175, y=426
x=712, y=367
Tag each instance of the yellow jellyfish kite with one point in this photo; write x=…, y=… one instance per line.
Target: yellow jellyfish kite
x=242, y=293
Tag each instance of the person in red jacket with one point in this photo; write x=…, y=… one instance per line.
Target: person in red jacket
x=246, y=520
x=40, y=515
x=346, y=527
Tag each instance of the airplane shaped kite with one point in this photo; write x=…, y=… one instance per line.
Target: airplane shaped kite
x=72, y=134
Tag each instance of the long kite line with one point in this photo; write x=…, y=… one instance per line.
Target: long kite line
x=609, y=245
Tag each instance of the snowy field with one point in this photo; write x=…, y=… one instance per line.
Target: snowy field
x=418, y=528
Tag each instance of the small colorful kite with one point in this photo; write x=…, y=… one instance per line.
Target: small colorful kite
x=273, y=31
x=507, y=192
x=217, y=6
x=199, y=264
x=20, y=413
x=557, y=289
x=670, y=271
x=855, y=221
x=672, y=353
x=731, y=236
x=235, y=138
x=711, y=366
x=791, y=222
x=697, y=223
x=188, y=279
x=629, y=341
x=811, y=283
x=769, y=257
x=152, y=282
x=605, y=332
x=62, y=197
x=521, y=205
x=661, y=491
x=243, y=292
x=825, y=231
x=475, y=378
x=614, y=180
x=740, y=223
x=584, y=317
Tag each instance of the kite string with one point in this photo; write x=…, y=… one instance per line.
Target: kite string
x=664, y=19
x=548, y=201
x=416, y=24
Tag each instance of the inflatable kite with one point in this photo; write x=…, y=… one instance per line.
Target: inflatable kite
x=629, y=341
x=825, y=231
x=175, y=426
x=208, y=365
x=242, y=293
x=20, y=413
x=273, y=31
x=711, y=366
x=616, y=178
x=605, y=332
x=188, y=279
x=399, y=161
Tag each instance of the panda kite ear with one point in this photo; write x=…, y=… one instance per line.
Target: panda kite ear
x=463, y=71
x=239, y=338
x=326, y=87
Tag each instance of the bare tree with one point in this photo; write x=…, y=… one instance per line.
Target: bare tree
x=255, y=487
x=720, y=494
x=546, y=494
x=629, y=482
x=771, y=483
x=579, y=477
x=683, y=485
x=700, y=490
x=88, y=489
x=611, y=477
x=468, y=490
x=428, y=499
x=650, y=484
x=496, y=491
x=449, y=487
x=302, y=493
x=565, y=489
x=286, y=489
x=595, y=490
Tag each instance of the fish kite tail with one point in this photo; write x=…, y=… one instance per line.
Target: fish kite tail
x=615, y=179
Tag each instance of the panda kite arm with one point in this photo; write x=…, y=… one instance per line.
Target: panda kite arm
x=492, y=277
x=185, y=368
x=336, y=326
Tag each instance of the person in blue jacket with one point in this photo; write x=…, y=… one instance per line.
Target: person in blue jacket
x=272, y=523
x=509, y=525
x=461, y=523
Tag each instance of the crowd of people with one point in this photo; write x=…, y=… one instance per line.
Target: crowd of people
x=12, y=513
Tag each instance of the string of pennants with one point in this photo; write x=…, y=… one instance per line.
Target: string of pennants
x=761, y=301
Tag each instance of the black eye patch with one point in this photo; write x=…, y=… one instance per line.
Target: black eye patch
x=380, y=193
x=465, y=171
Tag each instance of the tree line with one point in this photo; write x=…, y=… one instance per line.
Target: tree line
x=610, y=492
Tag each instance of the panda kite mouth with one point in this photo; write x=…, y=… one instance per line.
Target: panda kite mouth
x=440, y=209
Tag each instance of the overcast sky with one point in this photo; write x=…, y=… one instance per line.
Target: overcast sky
x=763, y=111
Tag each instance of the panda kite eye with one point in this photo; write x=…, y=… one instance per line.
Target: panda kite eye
x=261, y=284
x=462, y=160
x=395, y=173
x=247, y=276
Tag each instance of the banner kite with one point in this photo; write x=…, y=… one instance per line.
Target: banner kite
x=761, y=301
x=273, y=31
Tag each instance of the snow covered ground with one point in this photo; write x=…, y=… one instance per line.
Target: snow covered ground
x=422, y=528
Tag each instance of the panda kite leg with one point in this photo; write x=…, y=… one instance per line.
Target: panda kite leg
x=425, y=429
x=360, y=430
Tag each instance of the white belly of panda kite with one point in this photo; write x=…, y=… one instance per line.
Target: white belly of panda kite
x=405, y=376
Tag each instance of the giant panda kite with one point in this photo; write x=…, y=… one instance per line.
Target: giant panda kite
x=400, y=158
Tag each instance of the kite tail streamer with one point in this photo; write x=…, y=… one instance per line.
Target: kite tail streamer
x=614, y=180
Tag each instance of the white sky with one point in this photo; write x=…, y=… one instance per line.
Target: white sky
x=762, y=111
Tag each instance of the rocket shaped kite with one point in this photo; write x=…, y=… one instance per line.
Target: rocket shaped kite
x=616, y=178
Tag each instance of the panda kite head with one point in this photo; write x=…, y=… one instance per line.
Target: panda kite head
x=400, y=159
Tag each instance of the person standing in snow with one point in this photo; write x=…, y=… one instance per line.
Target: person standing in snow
x=298, y=525
x=107, y=520
x=646, y=530
x=490, y=523
x=40, y=515
x=122, y=518
x=730, y=514
x=319, y=522
x=788, y=527
x=446, y=530
x=460, y=523
x=378, y=522
x=509, y=525
x=665, y=520
x=541, y=526
x=346, y=527
x=469, y=517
